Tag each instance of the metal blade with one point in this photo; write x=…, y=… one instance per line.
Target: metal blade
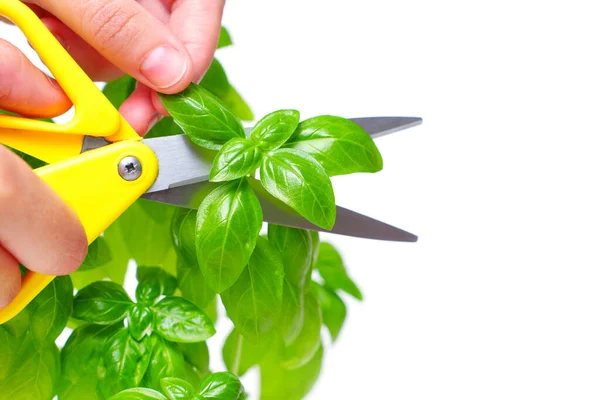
x=180, y=161
x=348, y=222
x=381, y=126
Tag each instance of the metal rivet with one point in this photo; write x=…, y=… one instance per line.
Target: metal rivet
x=130, y=168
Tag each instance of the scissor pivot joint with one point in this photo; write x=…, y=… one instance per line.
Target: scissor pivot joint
x=130, y=168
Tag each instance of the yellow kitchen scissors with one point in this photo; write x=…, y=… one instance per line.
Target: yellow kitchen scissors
x=100, y=166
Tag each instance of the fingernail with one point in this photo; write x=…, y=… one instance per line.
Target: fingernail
x=164, y=67
x=153, y=121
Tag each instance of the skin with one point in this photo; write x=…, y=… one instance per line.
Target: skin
x=164, y=44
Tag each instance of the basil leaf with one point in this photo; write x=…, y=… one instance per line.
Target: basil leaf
x=300, y=182
x=32, y=373
x=138, y=394
x=331, y=268
x=215, y=81
x=101, y=303
x=98, y=255
x=8, y=344
x=301, y=350
x=140, y=321
x=197, y=355
x=221, y=386
x=229, y=221
x=153, y=283
x=274, y=129
x=224, y=38
x=203, y=117
x=296, y=248
x=126, y=362
x=167, y=360
x=176, y=388
x=51, y=311
x=81, y=359
x=119, y=90
x=332, y=307
x=194, y=286
x=339, y=145
x=183, y=234
x=237, y=158
x=240, y=355
x=280, y=383
x=292, y=312
x=179, y=320
x=253, y=303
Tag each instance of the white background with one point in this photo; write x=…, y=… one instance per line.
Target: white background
x=500, y=297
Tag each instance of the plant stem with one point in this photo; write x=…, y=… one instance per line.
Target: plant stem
x=235, y=368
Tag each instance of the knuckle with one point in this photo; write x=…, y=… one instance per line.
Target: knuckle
x=113, y=26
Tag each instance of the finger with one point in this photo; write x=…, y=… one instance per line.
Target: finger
x=139, y=111
x=91, y=61
x=11, y=277
x=26, y=90
x=130, y=38
x=198, y=24
x=36, y=226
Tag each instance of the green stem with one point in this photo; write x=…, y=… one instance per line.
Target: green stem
x=235, y=368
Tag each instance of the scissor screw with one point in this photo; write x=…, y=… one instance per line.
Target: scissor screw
x=130, y=168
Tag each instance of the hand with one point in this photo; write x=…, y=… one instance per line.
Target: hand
x=164, y=44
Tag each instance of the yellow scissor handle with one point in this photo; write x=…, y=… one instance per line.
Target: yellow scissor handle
x=92, y=185
x=94, y=114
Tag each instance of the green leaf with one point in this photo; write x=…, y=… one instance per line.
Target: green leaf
x=221, y=386
x=51, y=311
x=203, y=117
x=183, y=235
x=292, y=312
x=331, y=268
x=237, y=158
x=224, y=38
x=274, y=129
x=166, y=361
x=279, y=383
x=126, y=362
x=153, y=283
x=8, y=344
x=119, y=90
x=253, y=303
x=296, y=248
x=300, y=182
x=215, y=81
x=33, y=372
x=140, y=321
x=101, y=303
x=339, y=145
x=138, y=394
x=332, y=307
x=179, y=320
x=301, y=350
x=177, y=388
x=239, y=355
x=81, y=359
x=194, y=286
x=197, y=355
x=229, y=221
x=98, y=255
x=165, y=127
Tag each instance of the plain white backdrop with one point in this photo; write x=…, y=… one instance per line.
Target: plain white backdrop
x=500, y=297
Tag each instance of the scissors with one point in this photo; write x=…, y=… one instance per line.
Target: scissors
x=100, y=166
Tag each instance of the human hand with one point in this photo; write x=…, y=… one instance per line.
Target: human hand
x=164, y=44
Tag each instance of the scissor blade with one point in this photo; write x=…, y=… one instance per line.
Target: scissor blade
x=348, y=222
x=381, y=126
